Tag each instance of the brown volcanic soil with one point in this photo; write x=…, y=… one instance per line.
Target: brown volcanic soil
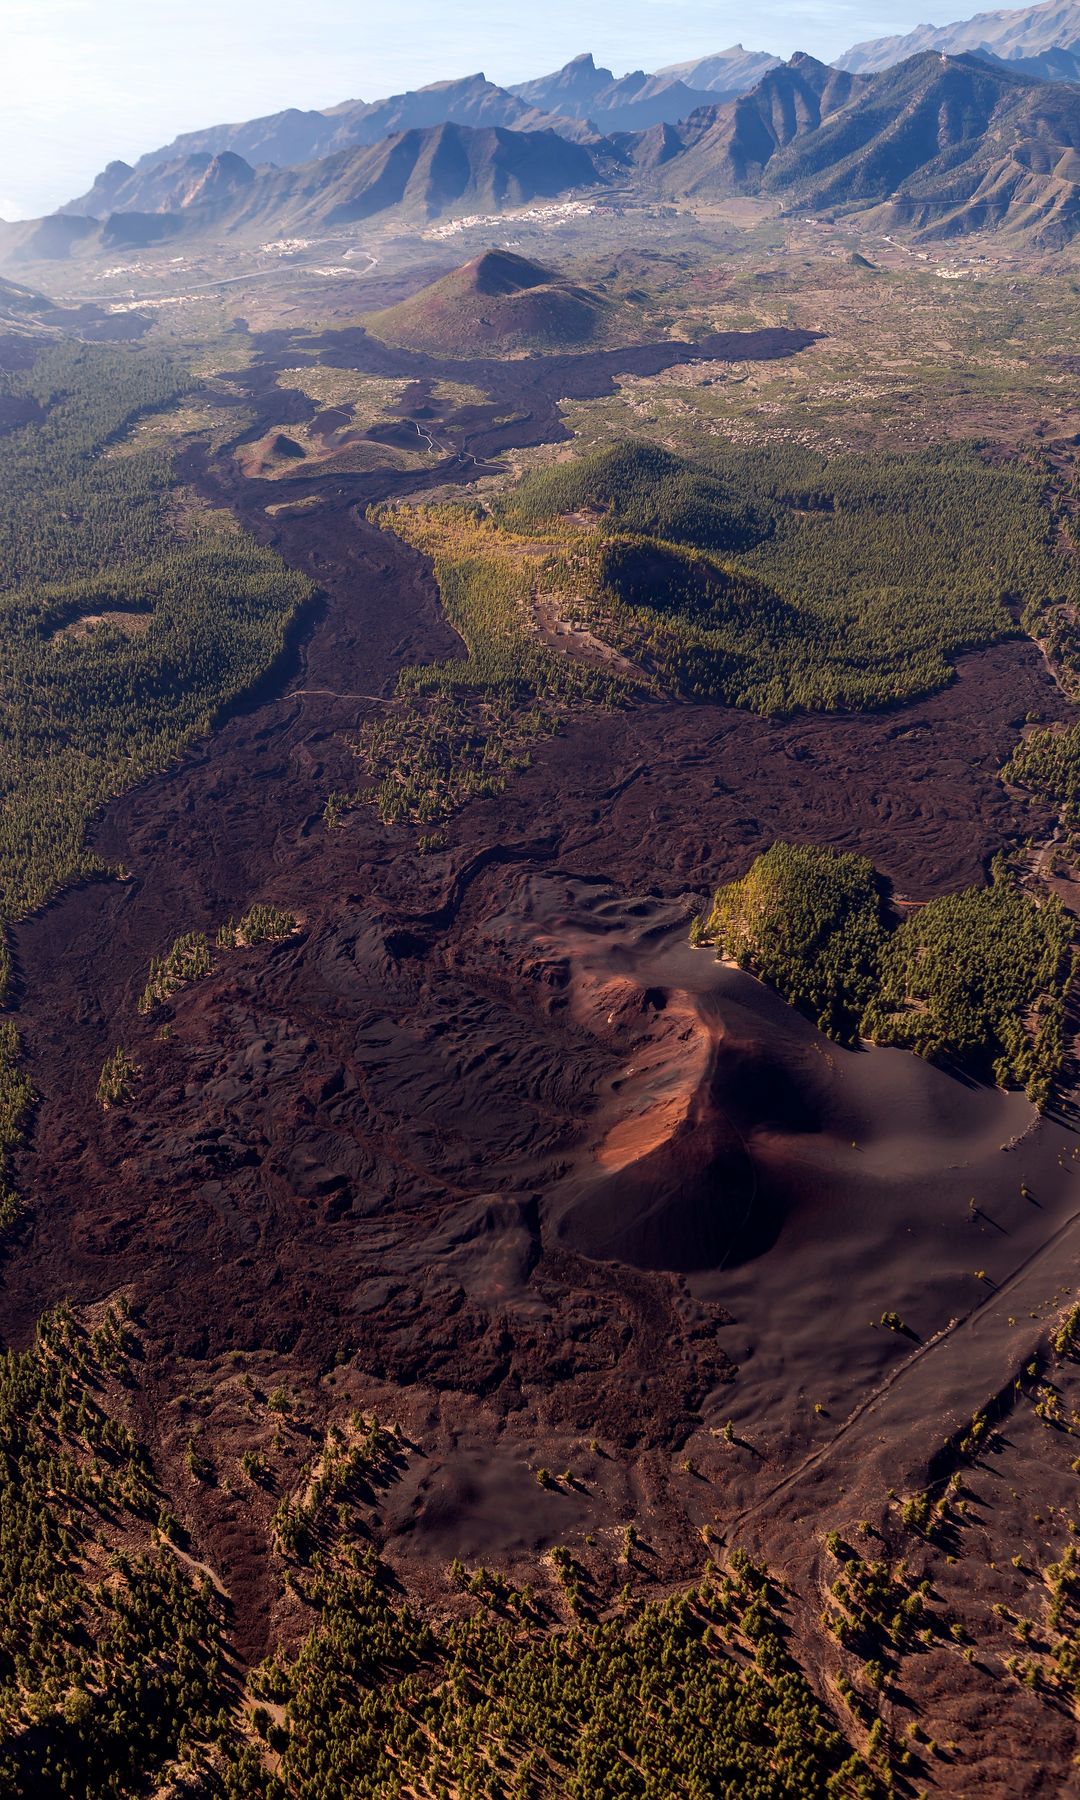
x=486, y=1144
x=497, y=301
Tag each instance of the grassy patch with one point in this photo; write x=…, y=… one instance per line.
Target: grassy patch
x=370, y=398
x=457, y=393
x=459, y=728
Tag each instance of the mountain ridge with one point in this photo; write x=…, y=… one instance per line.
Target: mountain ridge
x=732, y=145
x=1009, y=33
x=417, y=174
x=725, y=72
x=292, y=137
x=947, y=143
x=1044, y=38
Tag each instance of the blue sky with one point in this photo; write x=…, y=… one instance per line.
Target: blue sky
x=87, y=80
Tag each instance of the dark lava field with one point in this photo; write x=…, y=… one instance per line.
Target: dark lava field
x=485, y=1144
x=486, y=1126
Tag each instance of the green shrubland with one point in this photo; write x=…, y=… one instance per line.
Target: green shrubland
x=773, y=580
x=778, y=579
x=693, y=1695
x=187, y=961
x=115, y=1677
x=642, y=491
x=263, y=924
x=459, y=728
x=979, y=977
x=84, y=532
x=118, y=1074
x=1047, y=762
x=92, y=538
x=15, y=1101
x=810, y=923
x=110, y=1655
x=190, y=957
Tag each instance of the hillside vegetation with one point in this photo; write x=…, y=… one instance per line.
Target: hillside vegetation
x=697, y=1693
x=115, y=1672
x=124, y=630
x=1047, y=761
x=93, y=538
x=774, y=580
x=111, y=1655
x=979, y=978
x=457, y=730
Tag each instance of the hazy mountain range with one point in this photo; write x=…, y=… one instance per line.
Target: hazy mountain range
x=943, y=142
x=583, y=100
x=1045, y=36
x=580, y=100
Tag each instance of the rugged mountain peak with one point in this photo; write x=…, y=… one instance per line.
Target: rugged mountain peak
x=462, y=82
x=223, y=176
x=725, y=73
x=1011, y=33
x=577, y=83
x=188, y=181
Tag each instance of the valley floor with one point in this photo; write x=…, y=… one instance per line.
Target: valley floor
x=643, y=1268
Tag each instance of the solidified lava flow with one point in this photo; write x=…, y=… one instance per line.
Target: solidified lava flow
x=485, y=1127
